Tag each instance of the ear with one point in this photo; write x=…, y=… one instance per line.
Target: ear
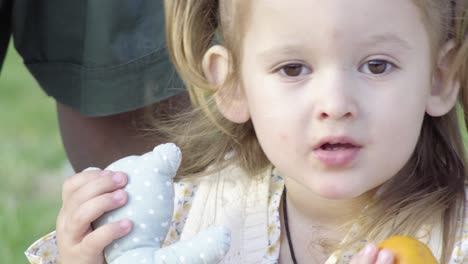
x=230, y=97
x=444, y=92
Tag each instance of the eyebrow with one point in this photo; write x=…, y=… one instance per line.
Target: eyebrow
x=273, y=53
x=296, y=49
x=388, y=38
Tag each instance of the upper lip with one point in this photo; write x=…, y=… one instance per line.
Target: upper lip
x=336, y=140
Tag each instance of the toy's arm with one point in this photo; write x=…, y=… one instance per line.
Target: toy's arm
x=150, y=207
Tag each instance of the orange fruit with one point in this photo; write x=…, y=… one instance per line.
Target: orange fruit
x=408, y=250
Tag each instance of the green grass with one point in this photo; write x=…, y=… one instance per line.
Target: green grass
x=30, y=157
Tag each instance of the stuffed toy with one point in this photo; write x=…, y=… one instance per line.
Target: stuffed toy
x=150, y=207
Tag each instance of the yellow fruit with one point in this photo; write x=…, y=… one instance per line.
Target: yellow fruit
x=408, y=250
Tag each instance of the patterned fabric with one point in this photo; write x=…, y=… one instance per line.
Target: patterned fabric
x=274, y=219
x=186, y=190
x=184, y=193
x=44, y=250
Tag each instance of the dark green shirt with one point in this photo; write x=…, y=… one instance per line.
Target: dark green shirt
x=98, y=56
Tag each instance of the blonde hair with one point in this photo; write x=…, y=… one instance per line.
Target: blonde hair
x=191, y=27
x=435, y=175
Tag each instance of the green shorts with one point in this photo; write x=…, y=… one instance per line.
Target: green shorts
x=99, y=57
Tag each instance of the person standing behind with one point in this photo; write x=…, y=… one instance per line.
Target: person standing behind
x=105, y=64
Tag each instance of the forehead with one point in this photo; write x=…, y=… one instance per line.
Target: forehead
x=334, y=23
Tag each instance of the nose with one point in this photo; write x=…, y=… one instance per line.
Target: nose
x=336, y=109
x=335, y=115
x=336, y=99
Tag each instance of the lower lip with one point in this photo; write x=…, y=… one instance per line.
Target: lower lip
x=337, y=158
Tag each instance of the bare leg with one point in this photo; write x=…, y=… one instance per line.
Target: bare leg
x=98, y=141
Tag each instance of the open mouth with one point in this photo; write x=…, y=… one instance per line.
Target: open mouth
x=337, y=146
x=337, y=151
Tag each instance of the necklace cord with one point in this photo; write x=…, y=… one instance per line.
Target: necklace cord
x=286, y=225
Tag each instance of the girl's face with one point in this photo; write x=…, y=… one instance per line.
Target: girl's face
x=337, y=90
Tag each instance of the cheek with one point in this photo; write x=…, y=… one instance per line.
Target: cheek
x=399, y=113
x=395, y=125
x=398, y=132
x=283, y=137
x=272, y=133
x=276, y=138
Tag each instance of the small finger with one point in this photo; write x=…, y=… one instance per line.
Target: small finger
x=104, y=184
x=77, y=181
x=88, y=212
x=385, y=256
x=95, y=242
x=60, y=222
x=367, y=255
x=63, y=238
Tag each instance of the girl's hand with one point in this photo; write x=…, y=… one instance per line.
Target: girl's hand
x=85, y=197
x=371, y=255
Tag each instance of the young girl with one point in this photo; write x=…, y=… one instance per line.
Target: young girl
x=350, y=106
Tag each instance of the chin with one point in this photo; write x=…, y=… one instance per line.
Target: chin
x=338, y=192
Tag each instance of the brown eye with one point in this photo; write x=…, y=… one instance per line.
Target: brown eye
x=377, y=67
x=292, y=70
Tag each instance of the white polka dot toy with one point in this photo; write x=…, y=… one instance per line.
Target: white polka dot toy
x=150, y=206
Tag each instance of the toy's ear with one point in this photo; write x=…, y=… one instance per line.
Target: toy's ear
x=230, y=97
x=444, y=90
x=170, y=154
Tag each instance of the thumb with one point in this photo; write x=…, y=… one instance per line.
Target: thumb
x=367, y=255
x=91, y=169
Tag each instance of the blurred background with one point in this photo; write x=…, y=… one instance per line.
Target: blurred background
x=32, y=161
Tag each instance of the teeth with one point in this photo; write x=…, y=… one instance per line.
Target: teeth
x=334, y=147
